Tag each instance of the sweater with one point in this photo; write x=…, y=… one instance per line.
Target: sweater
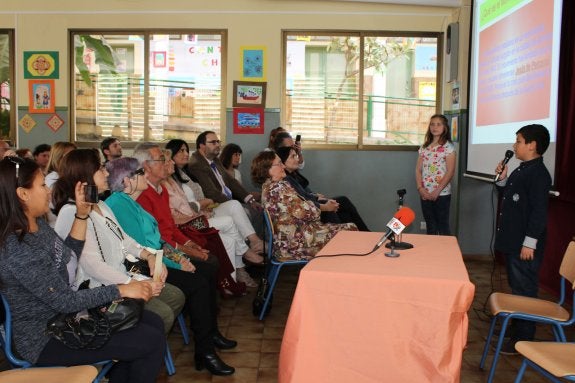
x=34, y=281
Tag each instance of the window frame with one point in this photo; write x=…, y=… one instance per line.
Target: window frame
x=146, y=33
x=361, y=35
x=12, y=133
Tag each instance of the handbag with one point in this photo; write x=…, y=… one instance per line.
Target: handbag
x=92, y=328
x=261, y=293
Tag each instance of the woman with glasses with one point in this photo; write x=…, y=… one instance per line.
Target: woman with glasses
x=197, y=281
x=37, y=269
x=107, y=245
x=299, y=232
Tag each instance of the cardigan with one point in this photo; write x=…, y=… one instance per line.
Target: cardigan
x=34, y=281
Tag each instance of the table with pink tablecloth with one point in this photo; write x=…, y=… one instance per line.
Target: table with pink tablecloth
x=379, y=319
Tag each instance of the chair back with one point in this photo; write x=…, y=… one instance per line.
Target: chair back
x=6, y=340
x=269, y=234
x=567, y=269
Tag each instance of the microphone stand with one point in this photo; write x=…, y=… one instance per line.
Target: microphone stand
x=393, y=244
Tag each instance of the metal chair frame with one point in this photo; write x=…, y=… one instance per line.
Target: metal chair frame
x=276, y=265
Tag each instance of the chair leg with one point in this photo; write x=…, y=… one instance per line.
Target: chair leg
x=103, y=371
x=272, y=278
x=521, y=371
x=170, y=368
x=488, y=342
x=498, y=349
x=183, y=328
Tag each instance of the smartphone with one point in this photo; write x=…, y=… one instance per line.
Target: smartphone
x=91, y=193
x=298, y=138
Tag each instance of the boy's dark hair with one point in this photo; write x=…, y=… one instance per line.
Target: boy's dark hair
x=201, y=139
x=41, y=149
x=106, y=142
x=537, y=133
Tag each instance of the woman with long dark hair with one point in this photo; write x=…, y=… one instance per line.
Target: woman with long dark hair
x=36, y=270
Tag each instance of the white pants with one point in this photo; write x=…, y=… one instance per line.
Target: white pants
x=233, y=242
x=236, y=211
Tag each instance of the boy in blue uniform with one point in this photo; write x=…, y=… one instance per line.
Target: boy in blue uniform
x=522, y=221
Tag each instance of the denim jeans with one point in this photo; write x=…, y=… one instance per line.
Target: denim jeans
x=523, y=277
x=436, y=215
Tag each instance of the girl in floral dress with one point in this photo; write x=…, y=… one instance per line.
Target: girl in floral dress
x=433, y=173
x=299, y=232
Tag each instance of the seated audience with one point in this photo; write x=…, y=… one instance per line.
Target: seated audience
x=24, y=153
x=284, y=139
x=111, y=148
x=182, y=211
x=299, y=232
x=195, y=279
x=272, y=137
x=36, y=270
x=216, y=183
x=42, y=155
x=59, y=149
x=204, y=245
x=231, y=157
x=107, y=245
x=337, y=210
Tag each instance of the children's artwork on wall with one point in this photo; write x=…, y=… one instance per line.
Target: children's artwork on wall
x=248, y=121
x=454, y=128
x=250, y=94
x=41, y=94
x=41, y=65
x=253, y=63
x=55, y=123
x=159, y=59
x=27, y=123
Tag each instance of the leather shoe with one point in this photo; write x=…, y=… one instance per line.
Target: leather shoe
x=223, y=343
x=213, y=364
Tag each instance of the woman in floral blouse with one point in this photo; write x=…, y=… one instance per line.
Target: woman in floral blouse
x=299, y=232
x=433, y=173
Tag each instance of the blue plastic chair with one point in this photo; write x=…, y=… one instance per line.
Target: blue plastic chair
x=551, y=359
x=275, y=265
x=507, y=306
x=168, y=360
x=6, y=343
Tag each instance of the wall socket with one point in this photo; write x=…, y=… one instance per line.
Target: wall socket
x=422, y=226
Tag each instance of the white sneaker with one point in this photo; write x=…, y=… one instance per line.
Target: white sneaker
x=243, y=276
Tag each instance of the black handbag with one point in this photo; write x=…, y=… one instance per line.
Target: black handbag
x=92, y=328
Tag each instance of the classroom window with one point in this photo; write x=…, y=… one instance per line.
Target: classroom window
x=360, y=89
x=7, y=124
x=153, y=87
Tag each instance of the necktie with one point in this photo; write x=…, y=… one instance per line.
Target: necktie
x=225, y=189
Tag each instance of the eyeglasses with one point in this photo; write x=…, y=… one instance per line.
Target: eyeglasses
x=17, y=161
x=294, y=156
x=278, y=164
x=213, y=142
x=137, y=172
x=161, y=159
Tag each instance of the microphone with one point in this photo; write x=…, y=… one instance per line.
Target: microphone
x=402, y=218
x=508, y=155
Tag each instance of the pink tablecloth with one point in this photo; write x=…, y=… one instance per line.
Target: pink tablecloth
x=379, y=319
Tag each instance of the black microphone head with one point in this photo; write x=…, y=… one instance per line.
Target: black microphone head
x=509, y=154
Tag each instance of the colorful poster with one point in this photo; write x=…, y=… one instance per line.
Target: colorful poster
x=41, y=65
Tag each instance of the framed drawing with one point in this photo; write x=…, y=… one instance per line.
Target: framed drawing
x=250, y=94
x=41, y=64
x=159, y=59
x=248, y=121
x=253, y=63
x=41, y=96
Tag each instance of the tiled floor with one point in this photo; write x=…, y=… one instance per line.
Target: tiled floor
x=256, y=357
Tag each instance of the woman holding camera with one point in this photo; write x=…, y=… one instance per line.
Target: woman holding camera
x=36, y=270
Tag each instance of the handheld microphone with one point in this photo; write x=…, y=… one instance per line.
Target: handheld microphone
x=402, y=218
x=508, y=155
